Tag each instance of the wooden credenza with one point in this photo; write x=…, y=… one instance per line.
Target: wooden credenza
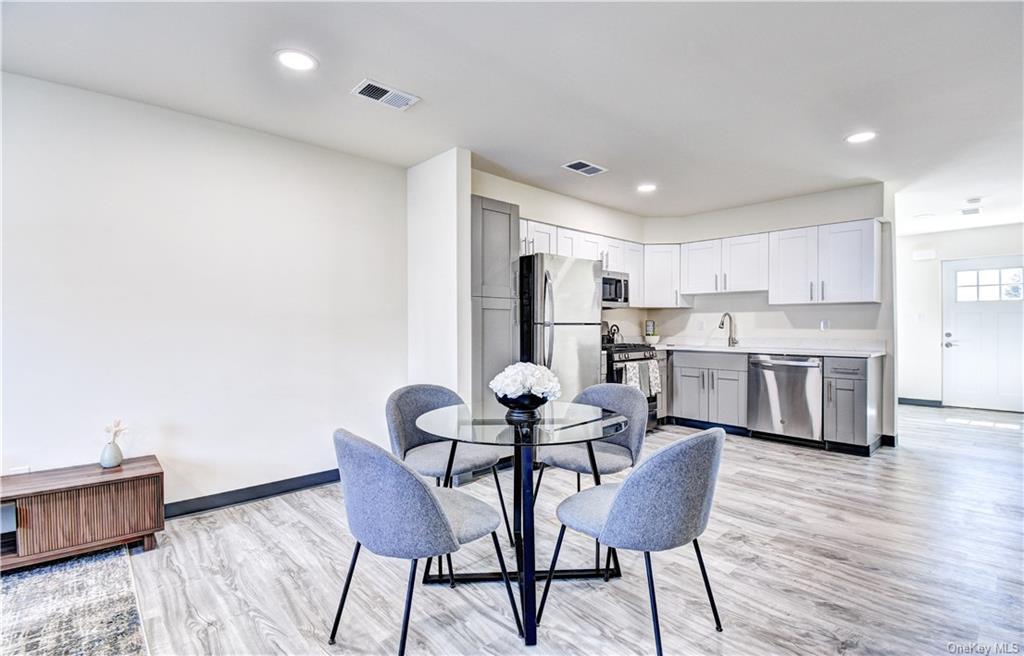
x=74, y=510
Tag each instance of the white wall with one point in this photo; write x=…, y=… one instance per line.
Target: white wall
x=919, y=289
x=232, y=295
x=440, y=302
x=848, y=204
x=556, y=209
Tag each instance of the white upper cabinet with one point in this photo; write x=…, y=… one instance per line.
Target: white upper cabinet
x=573, y=243
x=745, y=263
x=661, y=276
x=701, y=267
x=837, y=263
x=536, y=238
x=848, y=262
x=633, y=264
x=733, y=264
x=793, y=258
x=613, y=254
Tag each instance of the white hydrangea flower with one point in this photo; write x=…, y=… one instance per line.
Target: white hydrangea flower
x=522, y=378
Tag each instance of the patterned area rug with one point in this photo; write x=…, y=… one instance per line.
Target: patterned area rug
x=84, y=605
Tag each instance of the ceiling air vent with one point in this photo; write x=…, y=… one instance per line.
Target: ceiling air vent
x=382, y=93
x=584, y=168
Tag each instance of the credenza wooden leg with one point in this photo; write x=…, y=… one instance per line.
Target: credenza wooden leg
x=149, y=542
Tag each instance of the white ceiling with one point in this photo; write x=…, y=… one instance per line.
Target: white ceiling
x=719, y=104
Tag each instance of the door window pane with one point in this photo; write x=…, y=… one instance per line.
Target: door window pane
x=964, y=294
x=988, y=277
x=966, y=278
x=1013, y=276
x=988, y=293
x=1011, y=292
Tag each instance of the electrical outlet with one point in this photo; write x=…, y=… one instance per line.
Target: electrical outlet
x=19, y=470
x=825, y=324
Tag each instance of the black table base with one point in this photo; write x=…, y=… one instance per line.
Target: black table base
x=525, y=573
x=490, y=577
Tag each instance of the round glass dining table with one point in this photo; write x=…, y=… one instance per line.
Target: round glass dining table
x=558, y=424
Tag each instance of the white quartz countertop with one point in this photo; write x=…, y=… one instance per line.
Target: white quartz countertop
x=776, y=350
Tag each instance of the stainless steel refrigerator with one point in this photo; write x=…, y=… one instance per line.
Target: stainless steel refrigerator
x=560, y=301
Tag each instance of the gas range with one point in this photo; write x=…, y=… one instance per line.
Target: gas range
x=618, y=357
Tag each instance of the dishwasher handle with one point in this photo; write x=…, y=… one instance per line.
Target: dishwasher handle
x=769, y=364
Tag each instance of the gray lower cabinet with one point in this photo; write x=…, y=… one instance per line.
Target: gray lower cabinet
x=495, y=344
x=710, y=387
x=727, y=397
x=689, y=393
x=852, y=399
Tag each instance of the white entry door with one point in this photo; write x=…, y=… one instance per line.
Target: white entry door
x=983, y=327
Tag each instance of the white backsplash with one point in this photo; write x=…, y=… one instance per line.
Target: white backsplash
x=855, y=326
x=629, y=320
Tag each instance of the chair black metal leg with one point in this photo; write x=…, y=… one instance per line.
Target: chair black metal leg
x=451, y=572
x=408, y=607
x=344, y=593
x=547, y=584
x=508, y=584
x=540, y=476
x=578, y=482
x=707, y=586
x=501, y=502
x=597, y=481
x=608, y=565
x=654, y=603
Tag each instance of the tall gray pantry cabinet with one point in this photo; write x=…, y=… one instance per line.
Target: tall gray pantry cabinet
x=495, y=290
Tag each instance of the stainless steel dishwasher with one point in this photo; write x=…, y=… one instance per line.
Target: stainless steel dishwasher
x=784, y=395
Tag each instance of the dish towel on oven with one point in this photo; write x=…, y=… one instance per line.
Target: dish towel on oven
x=655, y=373
x=647, y=379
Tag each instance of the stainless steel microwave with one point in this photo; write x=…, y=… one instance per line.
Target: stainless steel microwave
x=614, y=289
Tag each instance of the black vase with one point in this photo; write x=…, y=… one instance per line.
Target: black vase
x=522, y=408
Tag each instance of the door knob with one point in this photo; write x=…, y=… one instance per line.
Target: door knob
x=949, y=344
x=949, y=334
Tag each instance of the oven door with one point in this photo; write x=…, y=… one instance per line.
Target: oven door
x=618, y=375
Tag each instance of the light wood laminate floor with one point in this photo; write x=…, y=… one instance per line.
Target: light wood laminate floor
x=809, y=553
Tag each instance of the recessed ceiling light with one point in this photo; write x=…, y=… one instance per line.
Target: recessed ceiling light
x=924, y=215
x=860, y=137
x=297, y=60
x=646, y=187
x=973, y=200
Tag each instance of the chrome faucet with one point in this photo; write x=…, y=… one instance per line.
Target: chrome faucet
x=732, y=328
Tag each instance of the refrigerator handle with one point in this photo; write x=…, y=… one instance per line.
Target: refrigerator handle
x=549, y=319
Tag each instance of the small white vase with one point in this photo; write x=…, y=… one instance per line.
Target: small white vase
x=111, y=455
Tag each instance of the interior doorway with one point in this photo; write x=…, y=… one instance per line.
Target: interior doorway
x=983, y=331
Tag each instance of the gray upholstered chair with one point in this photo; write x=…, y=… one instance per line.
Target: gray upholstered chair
x=614, y=454
x=663, y=503
x=395, y=513
x=428, y=454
